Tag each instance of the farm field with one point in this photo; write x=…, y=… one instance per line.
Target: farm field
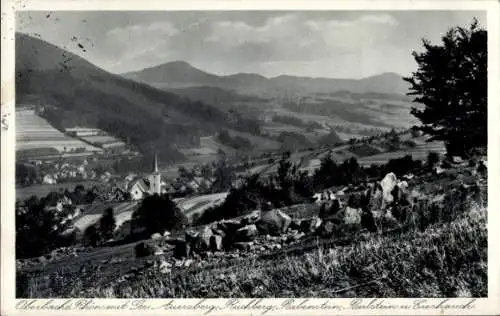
x=41, y=190
x=259, y=143
x=198, y=204
x=121, y=210
x=419, y=152
x=33, y=132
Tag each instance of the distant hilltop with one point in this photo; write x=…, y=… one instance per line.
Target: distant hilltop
x=180, y=74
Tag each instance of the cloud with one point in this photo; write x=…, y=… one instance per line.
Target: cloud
x=308, y=43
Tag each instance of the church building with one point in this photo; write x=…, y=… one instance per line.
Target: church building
x=142, y=186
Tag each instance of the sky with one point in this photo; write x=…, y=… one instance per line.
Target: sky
x=334, y=44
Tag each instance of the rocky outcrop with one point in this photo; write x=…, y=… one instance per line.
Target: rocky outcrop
x=247, y=233
x=216, y=243
x=387, y=184
x=352, y=216
x=310, y=225
x=273, y=222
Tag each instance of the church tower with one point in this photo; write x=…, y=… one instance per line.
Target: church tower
x=155, y=179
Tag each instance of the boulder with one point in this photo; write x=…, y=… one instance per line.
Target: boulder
x=164, y=266
x=457, y=160
x=243, y=245
x=157, y=251
x=352, y=216
x=229, y=226
x=482, y=168
x=400, y=193
x=191, y=236
x=203, y=240
x=408, y=176
x=251, y=218
x=219, y=232
x=273, y=222
x=310, y=225
x=247, y=233
x=387, y=184
x=182, y=250
x=297, y=236
x=216, y=243
x=156, y=236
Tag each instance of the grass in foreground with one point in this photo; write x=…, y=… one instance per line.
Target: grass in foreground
x=444, y=260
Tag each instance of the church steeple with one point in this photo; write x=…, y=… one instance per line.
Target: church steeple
x=155, y=178
x=155, y=165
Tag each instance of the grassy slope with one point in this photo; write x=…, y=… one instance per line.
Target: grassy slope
x=366, y=268
x=440, y=253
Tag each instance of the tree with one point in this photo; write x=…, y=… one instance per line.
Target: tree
x=158, y=213
x=107, y=224
x=38, y=229
x=451, y=83
x=224, y=177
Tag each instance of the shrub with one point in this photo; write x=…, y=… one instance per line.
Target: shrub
x=143, y=250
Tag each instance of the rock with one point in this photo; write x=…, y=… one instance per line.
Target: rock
x=166, y=234
x=172, y=241
x=310, y=225
x=409, y=176
x=457, y=159
x=352, y=216
x=246, y=233
x=182, y=250
x=400, y=193
x=251, y=218
x=216, y=243
x=273, y=222
x=388, y=183
x=165, y=267
x=327, y=229
x=191, y=236
x=296, y=236
x=295, y=224
x=229, y=226
x=158, y=251
x=219, y=232
x=178, y=263
x=482, y=168
x=245, y=246
x=327, y=211
x=203, y=240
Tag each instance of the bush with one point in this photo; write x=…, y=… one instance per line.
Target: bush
x=432, y=159
x=143, y=250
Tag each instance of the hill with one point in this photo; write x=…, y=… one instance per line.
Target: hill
x=81, y=94
x=182, y=74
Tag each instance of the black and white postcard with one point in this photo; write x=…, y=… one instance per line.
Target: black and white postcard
x=250, y=157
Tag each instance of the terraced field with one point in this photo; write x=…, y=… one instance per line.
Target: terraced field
x=419, y=152
x=199, y=204
x=34, y=132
